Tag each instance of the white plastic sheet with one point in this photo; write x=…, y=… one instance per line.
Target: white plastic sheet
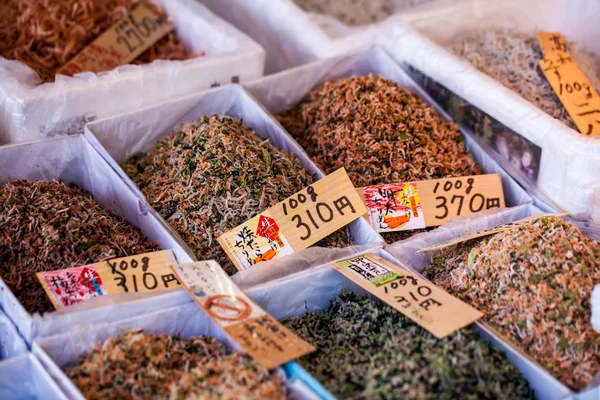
x=569, y=160
x=29, y=110
x=546, y=386
x=24, y=378
x=136, y=132
x=63, y=350
x=11, y=343
x=74, y=160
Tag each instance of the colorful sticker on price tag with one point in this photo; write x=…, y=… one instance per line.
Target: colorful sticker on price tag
x=414, y=205
x=570, y=84
x=121, y=43
x=427, y=305
x=296, y=223
x=140, y=273
x=262, y=336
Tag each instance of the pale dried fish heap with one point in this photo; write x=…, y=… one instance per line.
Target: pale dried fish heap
x=138, y=365
x=534, y=284
x=213, y=175
x=45, y=226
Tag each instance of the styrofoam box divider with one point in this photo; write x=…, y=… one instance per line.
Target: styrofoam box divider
x=128, y=134
x=29, y=110
x=406, y=254
x=284, y=90
x=568, y=162
x=24, y=377
x=74, y=160
x=62, y=350
x=11, y=343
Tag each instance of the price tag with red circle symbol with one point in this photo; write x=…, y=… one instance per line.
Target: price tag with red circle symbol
x=258, y=333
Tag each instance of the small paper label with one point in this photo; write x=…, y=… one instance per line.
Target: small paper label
x=121, y=43
x=262, y=336
x=570, y=84
x=414, y=205
x=490, y=231
x=140, y=273
x=296, y=223
x=426, y=304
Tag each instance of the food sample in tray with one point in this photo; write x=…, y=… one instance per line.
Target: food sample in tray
x=534, y=284
x=366, y=350
x=215, y=174
x=512, y=58
x=139, y=365
x=380, y=132
x=45, y=226
x=47, y=34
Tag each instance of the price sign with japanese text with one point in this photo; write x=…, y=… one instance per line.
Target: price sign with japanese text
x=570, y=84
x=414, y=205
x=295, y=223
x=121, y=43
x=426, y=304
x=140, y=273
x=261, y=335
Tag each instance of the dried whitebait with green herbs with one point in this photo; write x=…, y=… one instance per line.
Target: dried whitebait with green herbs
x=512, y=58
x=380, y=132
x=368, y=350
x=534, y=284
x=215, y=174
x=45, y=226
x=138, y=365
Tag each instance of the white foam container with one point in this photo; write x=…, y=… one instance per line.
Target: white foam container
x=406, y=254
x=128, y=134
x=29, y=110
x=11, y=343
x=74, y=160
x=63, y=349
x=290, y=35
x=569, y=161
x=25, y=378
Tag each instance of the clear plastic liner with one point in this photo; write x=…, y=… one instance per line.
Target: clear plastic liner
x=25, y=378
x=63, y=349
x=74, y=160
x=29, y=110
x=11, y=343
x=546, y=386
x=126, y=135
x=557, y=162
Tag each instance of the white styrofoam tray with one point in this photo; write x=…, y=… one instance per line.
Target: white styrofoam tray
x=11, y=343
x=25, y=378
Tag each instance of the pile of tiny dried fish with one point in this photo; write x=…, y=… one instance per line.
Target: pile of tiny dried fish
x=380, y=132
x=368, y=350
x=534, y=284
x=512, y=58
x=139, y=365
x=213, y=175
x=46, y=34
x=45, y=226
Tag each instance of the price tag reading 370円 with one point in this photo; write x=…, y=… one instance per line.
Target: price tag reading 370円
x=295, y=223
x=414, y=205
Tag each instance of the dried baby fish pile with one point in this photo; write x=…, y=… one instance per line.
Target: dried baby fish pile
x=138, y=365
x=512, y=58
x=534, y=284
x=357, y=12
x=380, y=132
x=46, y=226
x=46, y=34
x=367, y=350
x=213, y=175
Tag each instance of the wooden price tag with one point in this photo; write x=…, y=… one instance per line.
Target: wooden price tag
x=490, y=231
x=426, y=304
x=570, y=84
x=261, y=335
x=414, y=205
x=147, y=272
x=295, y=223
x=121, y=43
